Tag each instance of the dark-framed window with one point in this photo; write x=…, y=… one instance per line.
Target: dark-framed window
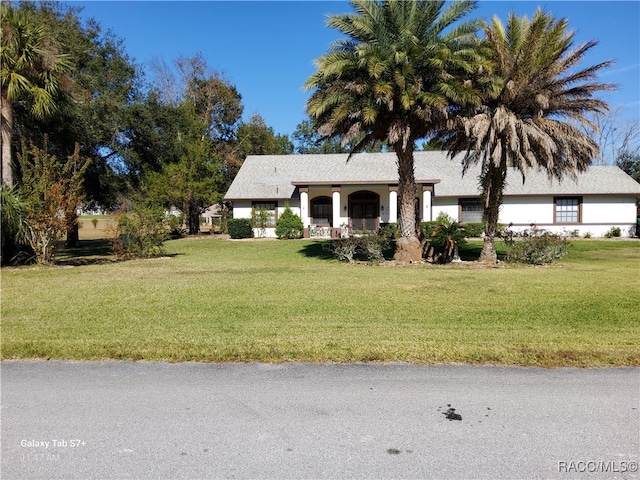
x=567, y=209
x=471, y=210
x=322, y=211
x=271, y=207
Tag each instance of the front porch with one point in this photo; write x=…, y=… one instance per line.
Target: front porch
x=335, y=211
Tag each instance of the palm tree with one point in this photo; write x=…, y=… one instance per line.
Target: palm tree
x=533, y=98
x=31, y=73
x=392, y=80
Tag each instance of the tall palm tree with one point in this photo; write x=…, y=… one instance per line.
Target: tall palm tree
x=392, y=80
x=32, y=72
x=533, y=98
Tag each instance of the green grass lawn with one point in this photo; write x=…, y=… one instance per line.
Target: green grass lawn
x=217, y=300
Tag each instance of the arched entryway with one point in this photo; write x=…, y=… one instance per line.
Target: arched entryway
x=322, y=211
x=364, y=208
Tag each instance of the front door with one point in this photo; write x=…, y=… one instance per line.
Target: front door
x=364, y=208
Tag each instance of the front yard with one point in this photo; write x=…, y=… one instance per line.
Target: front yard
x=217, y=300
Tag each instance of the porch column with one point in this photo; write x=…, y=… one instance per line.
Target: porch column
x=304, y=205
x=335, y=194
x=427, y=193
x=393, y=204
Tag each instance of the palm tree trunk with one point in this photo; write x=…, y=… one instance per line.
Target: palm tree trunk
x=495, y=178
x=7, y=131
x=408, y=247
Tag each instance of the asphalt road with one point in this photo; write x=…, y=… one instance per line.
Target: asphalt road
x=117, y=420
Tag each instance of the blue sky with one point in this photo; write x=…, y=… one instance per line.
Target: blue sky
x=267, y=48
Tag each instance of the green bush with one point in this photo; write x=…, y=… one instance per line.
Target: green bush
x=289, y=225
x=426, y=228
x=534, y=246
x=240, y=228
x=389, y=231
x=473, y=229
x=13, y=217
x=141, y=233
x=175, y=223
x=613, y=232
x=446, y=236
x=260, y=219
x=363, y=247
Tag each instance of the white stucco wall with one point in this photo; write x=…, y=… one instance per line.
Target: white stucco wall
x=444, y=205
x=243, y=209
x=598, y=215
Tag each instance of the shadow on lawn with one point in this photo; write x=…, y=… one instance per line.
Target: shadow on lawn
x=90, y=252
x=469, y=252
x=320, y=249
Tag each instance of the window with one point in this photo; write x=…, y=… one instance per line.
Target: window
x=567, y=210
x=269, y=207
x=322, y=211
x=470, y=210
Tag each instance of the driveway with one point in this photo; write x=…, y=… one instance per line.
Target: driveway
x=117, y=420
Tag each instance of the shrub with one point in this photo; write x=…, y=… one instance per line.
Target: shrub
x=240, y=228
x=534, y=246
x=52, y=191
x=446, y=236
x=289, y=225
x=426, y=228
x=389, y=231
x=176, y=225
x=613, y=232
x=13, y=218
x=260, y=219
x=473, y=229
x=364, y=247
x=141, y=233
x=373, y=247
x=344, y=249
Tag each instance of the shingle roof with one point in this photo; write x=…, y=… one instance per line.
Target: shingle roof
x=274, y=176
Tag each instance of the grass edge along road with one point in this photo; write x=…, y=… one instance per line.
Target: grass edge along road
x=216, y=300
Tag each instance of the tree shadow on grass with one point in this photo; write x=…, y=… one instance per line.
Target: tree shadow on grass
x=90, y=252
x=470, y=252
x=88, y=248
x=320, y=249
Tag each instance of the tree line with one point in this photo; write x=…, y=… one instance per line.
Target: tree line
x=174, y=136
x=76, y=108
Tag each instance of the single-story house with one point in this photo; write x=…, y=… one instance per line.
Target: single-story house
x=330, y=194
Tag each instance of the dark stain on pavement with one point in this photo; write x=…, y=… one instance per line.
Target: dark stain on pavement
x=451, y=413
x=395, y=451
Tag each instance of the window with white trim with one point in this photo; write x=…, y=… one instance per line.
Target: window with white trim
x=567, y=209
